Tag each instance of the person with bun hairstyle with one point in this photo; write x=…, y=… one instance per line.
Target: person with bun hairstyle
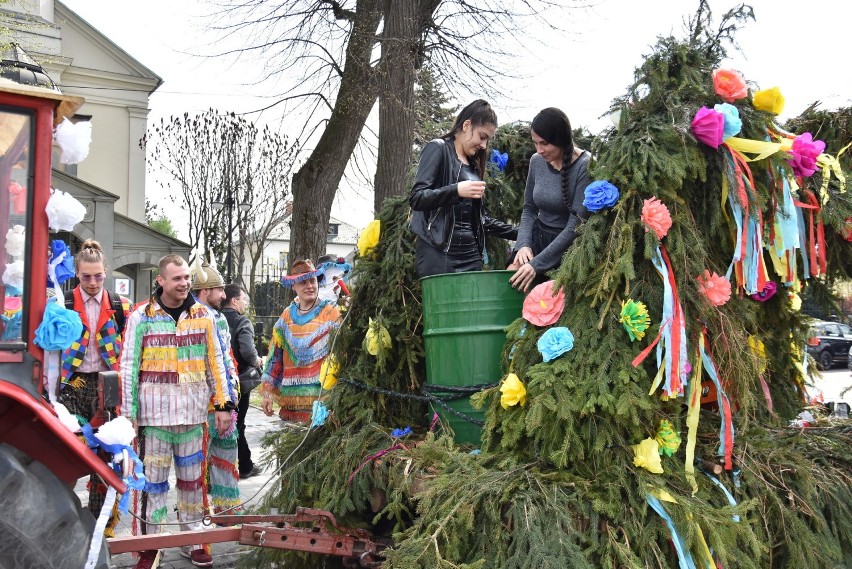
x=97, y=349
x=553, y=200
x=447, y=196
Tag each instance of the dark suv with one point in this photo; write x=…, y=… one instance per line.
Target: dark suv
x=830, y=343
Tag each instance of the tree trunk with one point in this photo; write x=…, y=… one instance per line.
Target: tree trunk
x=316, y=182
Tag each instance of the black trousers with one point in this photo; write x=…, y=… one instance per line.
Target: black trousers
x=243, y=450
x=463, y=256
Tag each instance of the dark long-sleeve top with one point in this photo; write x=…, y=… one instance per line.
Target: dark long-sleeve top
x=543, y=200
x=242, y=340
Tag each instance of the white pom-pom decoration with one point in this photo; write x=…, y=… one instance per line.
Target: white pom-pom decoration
x=64, y=211
x=14, y=274
x=119, y=431
x=15, y=241
x=65, y=416
x=74, y=140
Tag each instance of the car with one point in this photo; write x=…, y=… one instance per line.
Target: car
x=849, y=360
x=830, y=343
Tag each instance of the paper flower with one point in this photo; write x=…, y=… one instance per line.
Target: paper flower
x=15, y=241
x=555, y=342
x=513, y=392
x=667, y=438
x=769, y=100
x=399, y=433
x=19, y=197
x=708, y=126
x=74, y=140
x=328, y=372
x=118, y=431
x=377, y=339
x=64, y=211
x=647, y=455
x=769, y=290
x=14, y=274
x=599, y=195
x=733, y=123
x=729, y=85
x=61, y=260
x=59, y=327
x=319, y=413
x=12, y=324
x=541, y=307
x=68, y=420
x=717, y=289
x=634, y=317
x=369, y=238
x=656, y=217
x=805, y=151
x=795, y=301
x=499, y=159
x=758, y=348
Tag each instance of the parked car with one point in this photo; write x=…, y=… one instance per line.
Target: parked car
x=849, y=360
x=830, y=344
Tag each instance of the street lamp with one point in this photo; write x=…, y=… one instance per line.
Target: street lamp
x=228, y=204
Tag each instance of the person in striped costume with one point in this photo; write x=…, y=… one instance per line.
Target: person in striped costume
x=208, y=286
x=301, y=340
x=171, y=365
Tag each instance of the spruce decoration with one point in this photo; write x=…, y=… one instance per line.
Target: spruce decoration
x=555, y=484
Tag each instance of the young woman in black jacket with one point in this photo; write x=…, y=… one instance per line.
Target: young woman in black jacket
x=448, y=217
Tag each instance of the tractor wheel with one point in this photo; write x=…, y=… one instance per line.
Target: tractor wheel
x=41, y=521
x=825, y=360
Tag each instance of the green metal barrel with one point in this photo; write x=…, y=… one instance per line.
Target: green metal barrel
x=464, y=321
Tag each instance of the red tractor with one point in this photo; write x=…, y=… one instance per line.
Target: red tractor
x=41, y=521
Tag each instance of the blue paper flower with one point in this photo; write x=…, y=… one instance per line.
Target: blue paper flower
x=555, y=342
x=499, y=159
x=64, y=268
x=319, y=413
x=12, y=325
x=399, y=433
x=59, y=327
x=600, y=194
x=733, y=123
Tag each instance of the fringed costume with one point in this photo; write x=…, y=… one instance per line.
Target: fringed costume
x=300, y=343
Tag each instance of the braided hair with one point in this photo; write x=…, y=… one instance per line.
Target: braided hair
x=554, y=127
x=90, y=252
x=478, y=113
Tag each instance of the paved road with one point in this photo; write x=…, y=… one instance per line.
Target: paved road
x=225, y=555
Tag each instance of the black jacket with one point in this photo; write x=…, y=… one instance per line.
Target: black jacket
x=434, y=194
x=242, y=346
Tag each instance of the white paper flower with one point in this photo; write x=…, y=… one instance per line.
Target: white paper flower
x=15, y=240
x=66, y=418
x=64, y=211
x=14, y=274
x=74, y=140
x=118, y=431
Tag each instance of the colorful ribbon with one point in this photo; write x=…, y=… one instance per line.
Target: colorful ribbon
x=726, y=429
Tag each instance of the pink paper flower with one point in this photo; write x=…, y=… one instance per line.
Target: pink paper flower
x=656, y=217
x=805, y=151
x=717, y=289
x=729, y=85
x=769, y=290
x=541, y=307
x=708, y=126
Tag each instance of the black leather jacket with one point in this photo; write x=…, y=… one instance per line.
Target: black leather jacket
x=436, y=191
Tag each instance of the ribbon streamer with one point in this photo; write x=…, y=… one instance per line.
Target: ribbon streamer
x=726, y=429
x=100, y=526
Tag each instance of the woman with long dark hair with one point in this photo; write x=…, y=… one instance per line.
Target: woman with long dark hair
x=553, y=200
x=448, y=216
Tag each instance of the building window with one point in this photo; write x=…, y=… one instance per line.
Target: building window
x=333, y=229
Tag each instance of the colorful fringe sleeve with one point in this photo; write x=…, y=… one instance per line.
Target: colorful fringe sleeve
x=274, y=369
x=131, y=350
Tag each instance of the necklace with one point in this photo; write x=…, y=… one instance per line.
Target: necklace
x=308, y=309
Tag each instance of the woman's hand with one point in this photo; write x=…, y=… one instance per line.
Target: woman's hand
x=524, y=256
x=471, y=189
x=523, y=277
x=267, y=404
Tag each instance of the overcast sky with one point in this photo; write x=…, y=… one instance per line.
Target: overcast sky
x=797, y=46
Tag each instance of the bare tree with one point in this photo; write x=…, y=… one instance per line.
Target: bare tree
x=348, y=54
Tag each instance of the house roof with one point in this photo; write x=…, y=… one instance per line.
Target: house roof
x=346, y=234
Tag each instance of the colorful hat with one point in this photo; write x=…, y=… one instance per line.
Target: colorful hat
x=205, y=277
x=334, y=266
x=302, y=270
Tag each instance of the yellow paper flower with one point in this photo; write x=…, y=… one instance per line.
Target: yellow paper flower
x=757, y=348
x=634, y=317
x=377, y=339
x=647, y=455
x=369, y=238
x=667, y=438
x=769, y=100
x=328, y=372
x=795, y=301
x=513, y=391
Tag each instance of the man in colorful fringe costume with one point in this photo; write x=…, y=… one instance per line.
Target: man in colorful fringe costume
x=208, y=286
x=170, y=365
x=104, y=313
x=300, y=343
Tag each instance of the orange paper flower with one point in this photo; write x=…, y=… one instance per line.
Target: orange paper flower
x=729, y=85
x=541, y=307
x=656, y=217
x=769, y=100
x=717, y=289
